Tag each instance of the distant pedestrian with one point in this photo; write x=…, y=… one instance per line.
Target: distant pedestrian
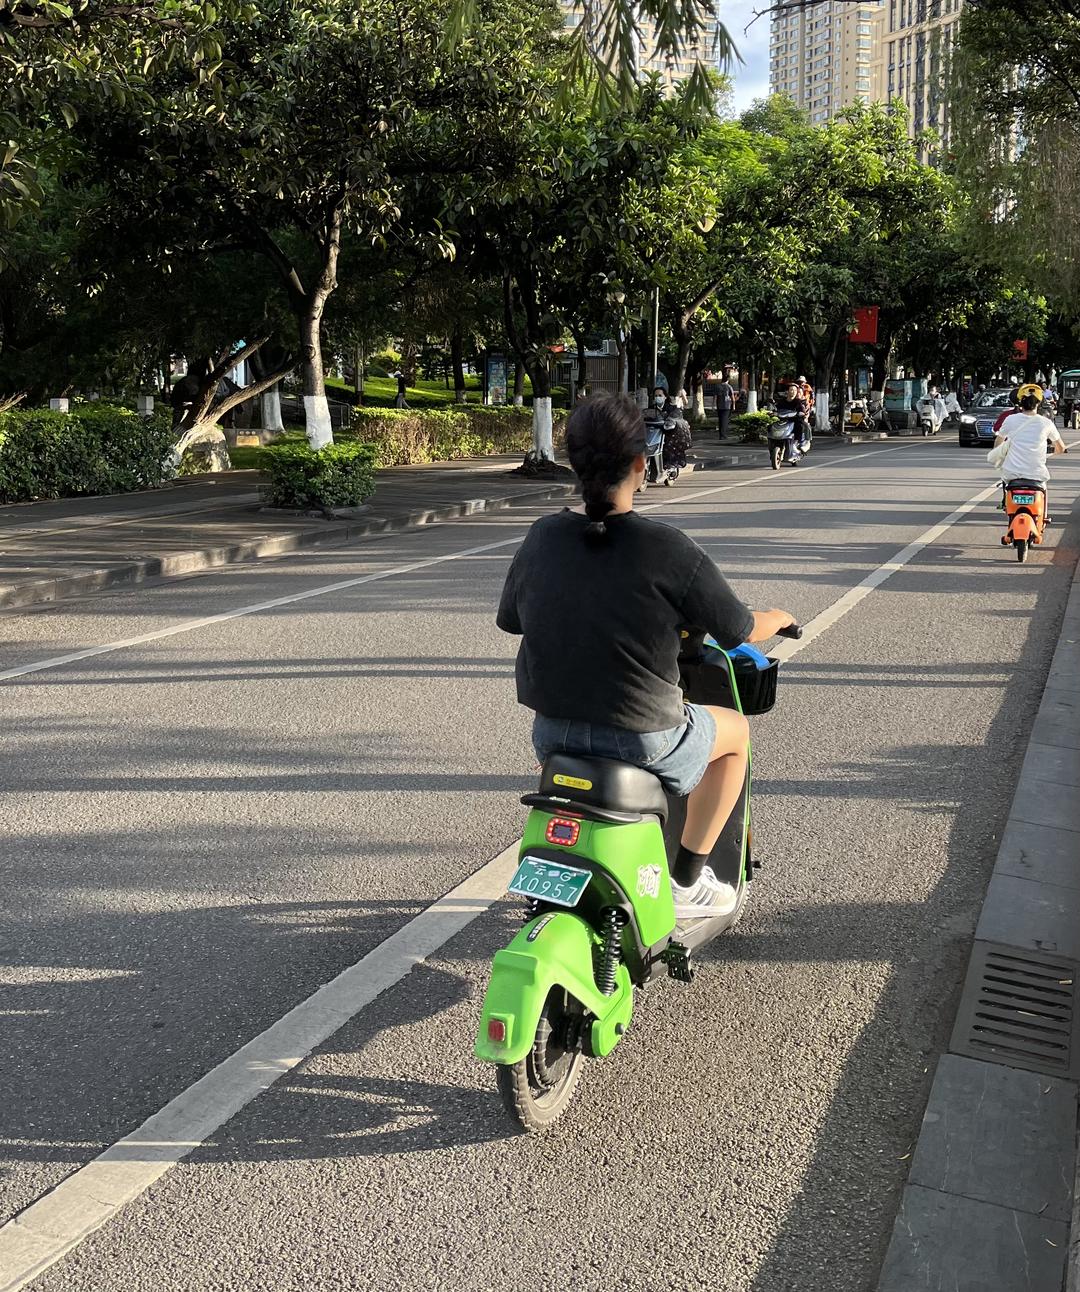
x=725, y=404
x=399, y=400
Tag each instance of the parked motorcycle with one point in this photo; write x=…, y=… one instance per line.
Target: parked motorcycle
x=600, y=921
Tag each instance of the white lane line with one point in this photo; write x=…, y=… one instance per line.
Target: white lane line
x=193, y=625
x=834, y=613
x=39, y=1236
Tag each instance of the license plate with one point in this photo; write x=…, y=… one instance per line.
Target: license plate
x=550, y=882
x=1024, y=499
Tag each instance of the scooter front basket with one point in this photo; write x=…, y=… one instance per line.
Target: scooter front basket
x=707, y=681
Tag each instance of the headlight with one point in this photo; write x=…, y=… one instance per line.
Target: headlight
x=967, y=421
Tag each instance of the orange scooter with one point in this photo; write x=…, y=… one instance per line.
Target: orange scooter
x=1025, y=509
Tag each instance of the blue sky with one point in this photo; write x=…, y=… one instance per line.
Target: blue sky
x=752, y=75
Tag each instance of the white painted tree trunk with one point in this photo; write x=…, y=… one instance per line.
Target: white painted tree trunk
x=699, y=402
x=822, y=408
x=543, y=442
x=320, y=432
x=271, y=409
x=751, y=400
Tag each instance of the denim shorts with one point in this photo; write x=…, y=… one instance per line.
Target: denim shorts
x=678, y=757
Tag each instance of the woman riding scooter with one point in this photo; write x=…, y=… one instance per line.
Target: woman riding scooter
x=599, y=594
x=1027, y=435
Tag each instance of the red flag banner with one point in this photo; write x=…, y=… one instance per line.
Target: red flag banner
x=865, y=330
x=1020, y=351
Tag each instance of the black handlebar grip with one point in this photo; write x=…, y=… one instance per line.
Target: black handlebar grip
x=794, y=631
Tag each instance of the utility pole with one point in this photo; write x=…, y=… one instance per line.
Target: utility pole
x=655, y=340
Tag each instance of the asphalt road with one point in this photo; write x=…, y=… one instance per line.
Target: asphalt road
x=201, y=829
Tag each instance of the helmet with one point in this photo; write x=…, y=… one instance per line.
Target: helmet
x=1032, y=388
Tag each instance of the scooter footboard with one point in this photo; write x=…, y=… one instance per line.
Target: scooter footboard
x=554, y=950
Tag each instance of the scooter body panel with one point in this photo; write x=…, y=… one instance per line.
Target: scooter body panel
x=1026, y=519
x=633, y=855
x=556, y=949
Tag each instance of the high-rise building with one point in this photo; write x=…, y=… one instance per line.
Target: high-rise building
x=828, y=55
x=671, y=71
x=918, y=36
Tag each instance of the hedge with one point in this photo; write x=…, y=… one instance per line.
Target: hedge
x=753, y=427
x=94, y=449
x=405, y=436
x=339, y=475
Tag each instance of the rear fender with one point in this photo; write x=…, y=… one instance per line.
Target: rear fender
x=1022, y=526
x=554, y=950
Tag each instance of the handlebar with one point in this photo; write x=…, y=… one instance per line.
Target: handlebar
x=794, y=631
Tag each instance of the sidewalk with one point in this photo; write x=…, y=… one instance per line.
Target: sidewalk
x=992, y=1203
x=53, y=550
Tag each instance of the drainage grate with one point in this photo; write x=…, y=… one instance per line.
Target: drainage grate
x=1019, y=1008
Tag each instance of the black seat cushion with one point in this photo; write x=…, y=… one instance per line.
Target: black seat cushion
x=603, y=782
x=1026, y=484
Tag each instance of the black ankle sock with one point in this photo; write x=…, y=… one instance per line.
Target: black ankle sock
x=688, y=866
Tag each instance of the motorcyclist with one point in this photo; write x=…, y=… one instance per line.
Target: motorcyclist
x=953, y=407
x=1027, y=434
x=933, y=406
x=789, y=402
x=625, y=584
x=806, y=391
x=677, y=437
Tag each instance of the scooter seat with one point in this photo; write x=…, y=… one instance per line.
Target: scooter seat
x=1026, y=484
x=602, y=784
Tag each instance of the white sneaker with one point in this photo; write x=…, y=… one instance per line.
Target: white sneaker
x=707, y=898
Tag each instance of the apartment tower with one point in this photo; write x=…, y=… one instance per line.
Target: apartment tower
x=671, y=71
x=827, y=56
x=918, y=37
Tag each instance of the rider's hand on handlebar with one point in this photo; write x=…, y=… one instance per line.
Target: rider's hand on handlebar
x=770, y=623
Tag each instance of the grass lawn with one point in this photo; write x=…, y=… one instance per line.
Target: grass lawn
x=380, y=392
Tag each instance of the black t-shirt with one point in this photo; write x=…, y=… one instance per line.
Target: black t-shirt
x=601, y=620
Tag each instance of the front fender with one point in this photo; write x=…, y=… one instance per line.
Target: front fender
x=554, y=950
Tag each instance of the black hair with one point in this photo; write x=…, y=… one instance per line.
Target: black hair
x=1029, y=402
x=603, y=437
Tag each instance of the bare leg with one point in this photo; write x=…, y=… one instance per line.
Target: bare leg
x=714, y=798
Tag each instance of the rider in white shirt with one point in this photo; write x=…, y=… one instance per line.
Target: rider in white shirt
x=1026, y=434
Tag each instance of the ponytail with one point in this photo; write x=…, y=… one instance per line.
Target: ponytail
x=603, y=437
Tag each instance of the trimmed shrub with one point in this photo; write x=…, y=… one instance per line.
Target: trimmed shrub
x=339, y=475
x=94, y=449
x=406, y=436
x=753, y=427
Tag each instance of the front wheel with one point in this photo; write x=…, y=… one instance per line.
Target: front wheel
x=1021, y=545
x=777, y=456
x=537, y=1089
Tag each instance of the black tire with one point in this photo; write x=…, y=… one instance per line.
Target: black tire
x=1021, y=545
x=777, y=457
x=537, y=1090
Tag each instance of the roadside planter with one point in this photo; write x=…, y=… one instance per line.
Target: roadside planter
x=320, y=480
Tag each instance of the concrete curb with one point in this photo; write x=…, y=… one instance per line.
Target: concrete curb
x=326, y=534
x=992, y=1199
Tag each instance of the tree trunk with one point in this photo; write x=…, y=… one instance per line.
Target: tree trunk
x=681, y=329
x=543, y=443
x=320, y=432
x=519, y=384
x=581, y=383
x=408, y=363
x=457, y=348
x=271, y=410
x=358, y=376
x=752, y=389
x=698, y=387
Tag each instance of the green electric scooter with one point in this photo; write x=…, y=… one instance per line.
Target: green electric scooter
x=600, y=919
